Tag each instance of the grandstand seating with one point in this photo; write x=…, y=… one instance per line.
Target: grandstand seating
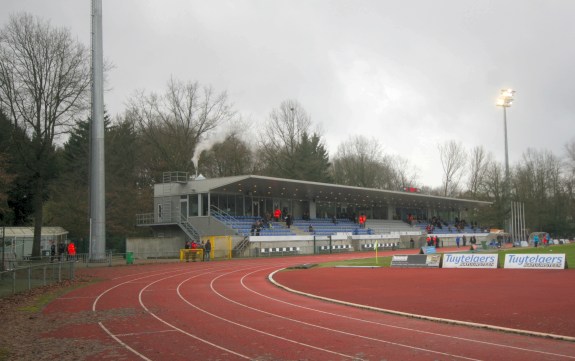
x=243, y=226
x=451, y=229
x=326, y=227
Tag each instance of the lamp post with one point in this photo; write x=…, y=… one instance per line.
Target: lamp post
x=505, y=100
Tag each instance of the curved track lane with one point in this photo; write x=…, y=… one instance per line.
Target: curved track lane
x=230, y=311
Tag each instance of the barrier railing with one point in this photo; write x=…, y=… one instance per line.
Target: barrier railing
x=24, y=278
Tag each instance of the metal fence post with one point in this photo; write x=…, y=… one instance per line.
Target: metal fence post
x=29, y=276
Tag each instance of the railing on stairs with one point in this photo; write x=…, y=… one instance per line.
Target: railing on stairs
x=190, y=230
x=227, y=219
x=222, y=215
x=241, y=247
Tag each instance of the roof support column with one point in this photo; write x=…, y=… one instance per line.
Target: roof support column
x=390, y=212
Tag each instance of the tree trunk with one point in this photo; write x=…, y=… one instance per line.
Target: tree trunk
x=38, y=217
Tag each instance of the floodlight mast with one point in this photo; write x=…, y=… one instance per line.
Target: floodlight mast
x=97, y=250
x=505, y=100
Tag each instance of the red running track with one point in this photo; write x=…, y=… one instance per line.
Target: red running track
x=231, y=311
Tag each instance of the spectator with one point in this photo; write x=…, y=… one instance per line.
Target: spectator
x=194, y=250
x=61, y=251
x=288, y=221
x=52, y=251
x=187, y=247
x=71, y=251
x=362, y=220
x=207, y=250
x=258, y=227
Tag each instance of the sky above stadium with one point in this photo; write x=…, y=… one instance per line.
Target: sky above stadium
x=413, y=74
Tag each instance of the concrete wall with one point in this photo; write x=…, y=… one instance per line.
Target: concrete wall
x=149, y=247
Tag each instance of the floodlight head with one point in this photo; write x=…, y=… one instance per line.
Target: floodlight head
x=505, y=98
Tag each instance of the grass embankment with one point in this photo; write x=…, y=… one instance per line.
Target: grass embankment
x=568, y=249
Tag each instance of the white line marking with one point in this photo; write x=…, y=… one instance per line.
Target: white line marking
x=122, y=343
x=270, y=277
x=338, y=331
x=259, y=331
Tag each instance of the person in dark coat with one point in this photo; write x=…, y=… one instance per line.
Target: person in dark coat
x=207, y=250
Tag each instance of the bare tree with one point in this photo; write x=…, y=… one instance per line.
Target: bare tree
x=570, y=148
x=281, y=137
x=570, y=178
x=44, y=83
x=360, y=162
x=453, y=160
x=538, y=182
x=404, y=174
x=174, y=123
x=479, y=163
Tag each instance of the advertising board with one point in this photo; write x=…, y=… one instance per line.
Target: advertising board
x=417, y=260
x=470, y=260
x=535, y=261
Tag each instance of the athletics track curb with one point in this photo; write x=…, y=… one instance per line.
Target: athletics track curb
x=422, y=317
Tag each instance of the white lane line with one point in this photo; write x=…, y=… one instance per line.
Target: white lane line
x=260, y=331
x=179, y=329
x=479, y=326
x=94, y=304
x=114, y=337
x=143, y=333
x=337, y=331
x=122, y=343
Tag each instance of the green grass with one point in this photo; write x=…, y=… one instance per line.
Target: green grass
x=4, y=354
x=568, y=249
x=41, y=300
x=363, y=262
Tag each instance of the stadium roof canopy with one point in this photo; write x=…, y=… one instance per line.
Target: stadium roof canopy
x=324, y=192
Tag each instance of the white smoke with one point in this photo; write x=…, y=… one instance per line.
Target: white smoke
x=238, y=127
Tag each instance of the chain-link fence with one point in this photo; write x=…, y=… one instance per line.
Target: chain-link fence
x=25, y=277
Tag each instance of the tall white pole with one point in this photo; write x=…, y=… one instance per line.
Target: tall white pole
x=97, y=170
x=524, y=229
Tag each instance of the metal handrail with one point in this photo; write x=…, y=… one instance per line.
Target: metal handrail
x=226, y=217
x=189, y=229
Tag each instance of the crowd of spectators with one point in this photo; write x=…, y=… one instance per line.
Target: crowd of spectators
x=458, y=225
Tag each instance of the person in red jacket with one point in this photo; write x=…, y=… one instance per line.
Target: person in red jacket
x=194, y=251
x=71, y=251
x=277, y=214
x=362, y=219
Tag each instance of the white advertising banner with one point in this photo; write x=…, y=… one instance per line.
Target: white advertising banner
x=535, y=261
x=470, y=260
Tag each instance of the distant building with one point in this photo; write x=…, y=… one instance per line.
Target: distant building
x=18, y=240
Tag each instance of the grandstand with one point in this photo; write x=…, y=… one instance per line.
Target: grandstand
x=195, y=207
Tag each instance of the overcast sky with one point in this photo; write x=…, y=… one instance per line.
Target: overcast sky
x=413, y=74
